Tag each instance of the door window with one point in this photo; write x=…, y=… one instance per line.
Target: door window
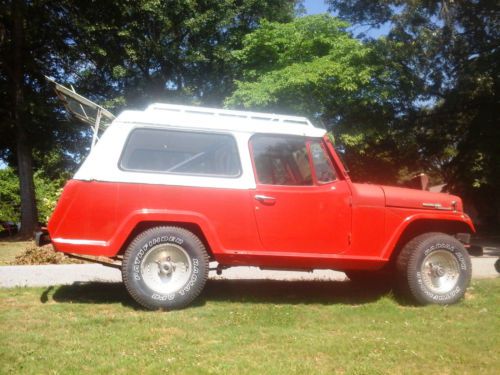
x=323, y=167
x=281, y=160
x=287, y=160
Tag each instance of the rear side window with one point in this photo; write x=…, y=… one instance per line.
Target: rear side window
x=180, y=152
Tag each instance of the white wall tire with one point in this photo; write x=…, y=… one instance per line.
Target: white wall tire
x=434, y=268
x=165, y=268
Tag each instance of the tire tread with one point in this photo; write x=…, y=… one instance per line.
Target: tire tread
x=153, y=232
x=406, y=265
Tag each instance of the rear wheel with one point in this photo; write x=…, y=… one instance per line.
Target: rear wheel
x=165, y=268
x=434, y=268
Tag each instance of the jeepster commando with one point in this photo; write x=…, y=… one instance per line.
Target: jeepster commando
x=170, y=189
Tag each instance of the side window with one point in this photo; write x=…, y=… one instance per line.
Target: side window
x=181, y=152
x=323, y=167
x=281, y=160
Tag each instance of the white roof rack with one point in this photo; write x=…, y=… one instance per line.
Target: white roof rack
x=202, y=118
x=229, y=113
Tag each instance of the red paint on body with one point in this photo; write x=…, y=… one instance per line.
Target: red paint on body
x=340, y=225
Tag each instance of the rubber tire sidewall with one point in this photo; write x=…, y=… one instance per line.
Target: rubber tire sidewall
x=428, y=244
x=142, y=244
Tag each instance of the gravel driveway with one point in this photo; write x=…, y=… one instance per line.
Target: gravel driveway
x=48, y=275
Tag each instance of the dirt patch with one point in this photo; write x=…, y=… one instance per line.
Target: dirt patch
x=43, y=255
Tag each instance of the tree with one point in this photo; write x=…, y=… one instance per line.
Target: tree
x=174, y=51
x=26, y=120
x=295, y=67
x=312, y=66
x=119, y=53
x=448, y=52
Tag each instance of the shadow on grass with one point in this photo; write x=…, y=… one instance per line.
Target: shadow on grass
x=92, y=293
x=292, y=292
x=246, y=291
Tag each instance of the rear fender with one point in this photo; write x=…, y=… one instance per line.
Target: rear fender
x=166, y=217
x=113, y=246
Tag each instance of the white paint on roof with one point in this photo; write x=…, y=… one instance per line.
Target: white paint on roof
x=102, y=163
x=170, y=115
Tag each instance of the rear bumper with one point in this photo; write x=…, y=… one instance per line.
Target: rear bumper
x=42, y=237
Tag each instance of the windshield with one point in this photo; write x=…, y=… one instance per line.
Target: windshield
x=339, y=150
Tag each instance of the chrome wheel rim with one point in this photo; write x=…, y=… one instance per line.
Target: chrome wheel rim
x=440, y=271
x=166, y=268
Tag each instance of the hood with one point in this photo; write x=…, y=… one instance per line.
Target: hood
x=413, y=198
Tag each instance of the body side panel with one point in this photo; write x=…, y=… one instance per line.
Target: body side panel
x=96, y=217
x=368, y=220
x=308, y=219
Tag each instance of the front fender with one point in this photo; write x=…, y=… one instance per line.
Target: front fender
x=397, y=227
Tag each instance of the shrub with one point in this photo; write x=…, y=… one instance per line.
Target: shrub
x=47, y=193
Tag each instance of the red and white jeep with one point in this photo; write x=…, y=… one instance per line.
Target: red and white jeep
x=168, y=189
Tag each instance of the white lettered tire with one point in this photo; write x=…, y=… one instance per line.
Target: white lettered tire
x=434, y=268
x=165, y=268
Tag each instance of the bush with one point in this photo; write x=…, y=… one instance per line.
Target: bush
x=47, y=193
x=10, y=200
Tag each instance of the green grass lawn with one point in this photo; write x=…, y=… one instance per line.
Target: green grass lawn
x=242, y=327
x=10, y=249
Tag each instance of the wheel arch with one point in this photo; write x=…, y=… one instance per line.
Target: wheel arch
x=424, y=225
x=147, y=224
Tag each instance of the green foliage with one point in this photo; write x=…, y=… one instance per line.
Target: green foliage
x=150, y=51
x=10, y=201
x=47, y=194
x=424, y=98
x=120, y=54
x=305, y=66
x=443, y=61
x=45, y=50
x=312, y=66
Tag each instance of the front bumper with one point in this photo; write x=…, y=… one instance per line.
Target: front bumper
x=473, y=250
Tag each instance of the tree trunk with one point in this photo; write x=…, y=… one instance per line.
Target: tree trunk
x=23, y=149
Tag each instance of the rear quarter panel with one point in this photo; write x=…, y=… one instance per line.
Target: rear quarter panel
x=97, y=217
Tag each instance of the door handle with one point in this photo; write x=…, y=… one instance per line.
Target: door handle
x=265, y=199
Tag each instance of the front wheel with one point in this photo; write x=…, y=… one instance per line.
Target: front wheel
x=434, y=268
x=165, y=268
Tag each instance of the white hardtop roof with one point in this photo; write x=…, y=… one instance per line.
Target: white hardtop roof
x=179, y=116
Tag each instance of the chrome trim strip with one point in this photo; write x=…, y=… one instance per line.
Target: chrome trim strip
x=437, y=206
x=72, y=241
